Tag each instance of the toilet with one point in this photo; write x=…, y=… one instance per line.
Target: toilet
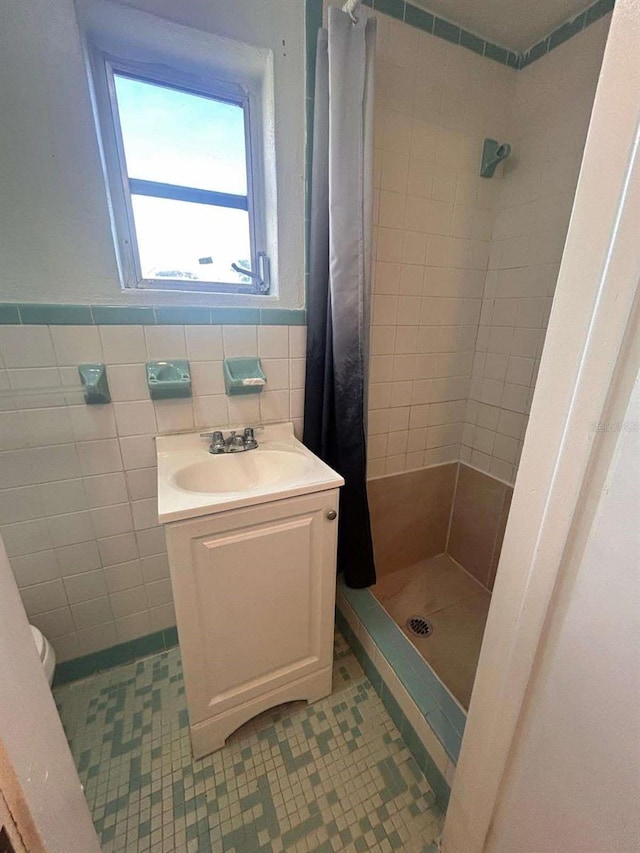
x=46, y=652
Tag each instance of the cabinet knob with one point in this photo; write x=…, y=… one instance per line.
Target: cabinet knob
x=332, y=515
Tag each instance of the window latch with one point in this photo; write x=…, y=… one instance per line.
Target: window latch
x=262, y=278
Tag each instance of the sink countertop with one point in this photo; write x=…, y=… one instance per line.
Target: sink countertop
x=280, y=467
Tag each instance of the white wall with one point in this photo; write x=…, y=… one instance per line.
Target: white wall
x=574, y=780
x=552, y=105
x=55, y=233
x=36, y=767
x=433, y=219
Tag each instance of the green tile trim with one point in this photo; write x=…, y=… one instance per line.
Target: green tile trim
x=440, y=709
x=121, y=315
x=563, y=33
x=170, y=637
x=38, y=314
x=598, y=10
x=415, y=746
x=235, y=316
x=393, y=8
x=566, y=31
x=148, y=645
x=9, y=314
x=538, y=50
x=282, y=317
x=55, y=315
x=447, y=31
x=495, y=52
x=471, y=42
x=73, y=670
x=313, y=22
x=419, y=18
x=178, y=315
x=428, y=22
x=513, y=60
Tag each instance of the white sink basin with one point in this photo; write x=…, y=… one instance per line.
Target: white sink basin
x=240, y=472
x=194, y=482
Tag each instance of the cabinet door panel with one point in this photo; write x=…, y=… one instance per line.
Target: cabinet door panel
x=254, y=596
x=254, y=591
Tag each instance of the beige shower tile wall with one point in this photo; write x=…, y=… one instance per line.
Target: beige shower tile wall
x=410, y=515
x=433, y=220
x=552, y=107
x=78, y=483
x=478, y=521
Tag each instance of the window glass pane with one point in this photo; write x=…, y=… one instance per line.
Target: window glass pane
x=191, y=242
x=176, y=137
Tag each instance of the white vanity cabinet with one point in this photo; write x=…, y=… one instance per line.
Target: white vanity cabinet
x=254, y=592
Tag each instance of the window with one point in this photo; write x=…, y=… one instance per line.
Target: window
x=185, y=179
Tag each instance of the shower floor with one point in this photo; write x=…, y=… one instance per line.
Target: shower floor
x=457, y=607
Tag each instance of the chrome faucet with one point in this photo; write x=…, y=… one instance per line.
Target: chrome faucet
x=234, y=443
x=217, y=441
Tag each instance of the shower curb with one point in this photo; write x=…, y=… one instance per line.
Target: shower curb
x=428, y=717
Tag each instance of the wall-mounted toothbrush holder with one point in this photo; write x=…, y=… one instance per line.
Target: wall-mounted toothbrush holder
x=94, y=382
x=493, y=152
x=167, y=379
x=243, y=375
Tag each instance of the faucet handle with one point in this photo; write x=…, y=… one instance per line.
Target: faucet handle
x=217, y=441
x=249, y=438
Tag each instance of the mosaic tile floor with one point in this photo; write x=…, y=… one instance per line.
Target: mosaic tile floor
x=333, y=776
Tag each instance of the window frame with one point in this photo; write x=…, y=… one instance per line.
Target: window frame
x=105, y=66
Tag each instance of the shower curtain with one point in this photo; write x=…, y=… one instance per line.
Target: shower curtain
x=340, y=276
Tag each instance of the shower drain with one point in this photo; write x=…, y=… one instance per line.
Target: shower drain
x=419, y=626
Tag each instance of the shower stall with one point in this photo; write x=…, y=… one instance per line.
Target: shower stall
x=465, y=267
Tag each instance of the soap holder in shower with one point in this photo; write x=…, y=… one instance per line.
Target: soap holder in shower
x=243, y=375
x=94, y=382
x=167, y=379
